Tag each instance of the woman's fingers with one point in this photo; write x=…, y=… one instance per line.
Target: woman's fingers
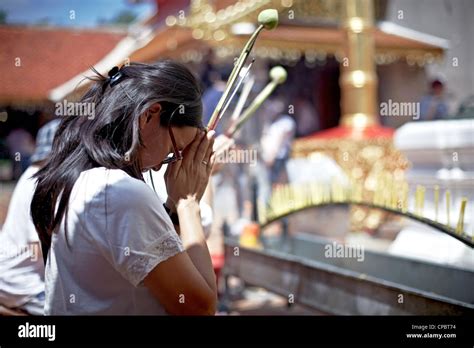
x=172, y=169
x=212, y=160
x=190, y=176
x=201, y=152
x=190, y=152
x=210, y=146
x=209, y=152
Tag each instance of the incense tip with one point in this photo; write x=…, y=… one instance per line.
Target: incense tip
x=278, y=74
x=268, y=18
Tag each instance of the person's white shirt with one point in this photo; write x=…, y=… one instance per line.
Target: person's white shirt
x=157, y=183
x=277, y=138
x=117, y=232
x=21, y=260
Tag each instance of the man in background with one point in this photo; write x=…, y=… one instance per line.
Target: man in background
x=21, y=260
x=433, y=106
x=277, y=140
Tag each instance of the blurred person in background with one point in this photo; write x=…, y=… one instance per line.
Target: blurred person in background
x=275, y=145
x=21, y=260
x=211, y=95
x=433, y=106
x=306, y=116
x=277, y=139
x=21, y=145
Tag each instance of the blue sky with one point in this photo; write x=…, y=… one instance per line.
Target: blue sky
x=87, y=12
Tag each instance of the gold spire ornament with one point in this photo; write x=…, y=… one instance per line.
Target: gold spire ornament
x=362, y=148
x=358, y=80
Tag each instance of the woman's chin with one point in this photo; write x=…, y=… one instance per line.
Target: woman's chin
x=157, y=167
x=154, y=168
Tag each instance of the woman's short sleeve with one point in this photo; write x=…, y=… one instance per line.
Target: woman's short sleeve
x=139, y=232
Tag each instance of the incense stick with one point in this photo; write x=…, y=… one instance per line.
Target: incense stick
x=278, y=75
x=448, y=204
x=460, y=225
x=268, y=19
x=248, y=84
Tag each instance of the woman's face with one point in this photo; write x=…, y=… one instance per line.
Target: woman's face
x=157, y=141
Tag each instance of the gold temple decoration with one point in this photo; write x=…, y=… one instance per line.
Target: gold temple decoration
x=460, y=225
x=363, y=159
x=448, y=207
x=213, y=25
x=310, y=29
x=291, y=198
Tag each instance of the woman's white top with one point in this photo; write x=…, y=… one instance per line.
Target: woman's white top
x=117, y=232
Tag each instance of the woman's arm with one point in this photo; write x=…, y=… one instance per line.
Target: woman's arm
x=185, y=283
x=194, y=240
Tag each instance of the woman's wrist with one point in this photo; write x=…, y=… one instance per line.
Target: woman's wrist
x=171, y=205
x=188, y=204
x=190, y=222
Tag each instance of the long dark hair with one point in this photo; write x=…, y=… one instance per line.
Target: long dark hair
x=110, y=137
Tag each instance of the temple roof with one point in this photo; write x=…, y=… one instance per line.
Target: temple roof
x=36, y=60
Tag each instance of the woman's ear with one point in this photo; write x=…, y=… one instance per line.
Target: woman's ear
x=150, y=114
x=154, y=110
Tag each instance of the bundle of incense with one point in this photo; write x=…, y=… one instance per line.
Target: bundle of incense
x=278, y=76
x=243, y=76
x=267, y=19
x=246, y=89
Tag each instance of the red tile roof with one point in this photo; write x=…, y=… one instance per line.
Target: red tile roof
x=48, y=57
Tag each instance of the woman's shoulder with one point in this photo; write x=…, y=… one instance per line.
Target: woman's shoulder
x=118, y=185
